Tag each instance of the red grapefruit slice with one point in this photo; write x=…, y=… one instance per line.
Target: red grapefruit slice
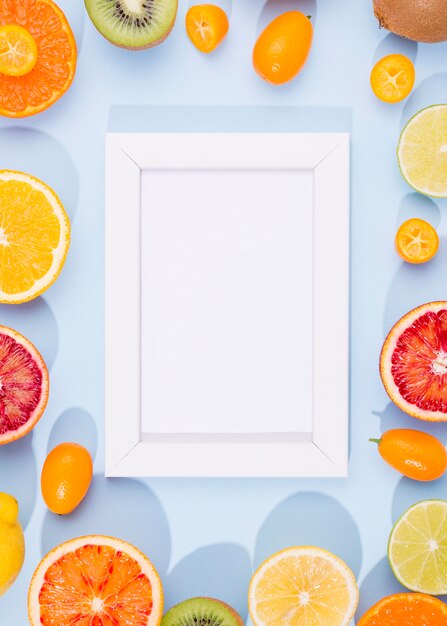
x=413, y=362
x=95, y=581
x=23, y=385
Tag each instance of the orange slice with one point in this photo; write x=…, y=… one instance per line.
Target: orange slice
x=413, y=362
x=392, y=78
x=95, y=581
x=416, y=241
x=23, y=385
x=303, y=585
x=207, y=25
x=409, y=609
x=18, y=51
x=34, y=237
x=38, y=65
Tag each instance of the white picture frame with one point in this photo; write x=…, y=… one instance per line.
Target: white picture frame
x=138, y=167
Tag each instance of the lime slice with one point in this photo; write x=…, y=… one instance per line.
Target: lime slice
x=422, y=151
x=417, y=549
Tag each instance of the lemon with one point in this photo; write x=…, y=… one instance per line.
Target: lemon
x=12, y=542
x=303, y=585
x=417, y=549
x=422, y=151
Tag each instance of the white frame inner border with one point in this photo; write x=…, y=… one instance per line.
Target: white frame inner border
x=128, y=451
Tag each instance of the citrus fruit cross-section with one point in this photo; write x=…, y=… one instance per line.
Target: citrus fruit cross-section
x=303, y=585
x=413, y=362
x=95, y=581
x=417, y=548
x=23, y=385
x=37, y=56
x=422, y=151
x=34, y=237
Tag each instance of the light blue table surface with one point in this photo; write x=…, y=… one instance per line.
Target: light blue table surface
x=206, y=536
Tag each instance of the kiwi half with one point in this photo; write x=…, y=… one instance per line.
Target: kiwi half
x=202, y=612
x=133, y=24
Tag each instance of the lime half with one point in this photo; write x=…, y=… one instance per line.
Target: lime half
x=417, y=549
x=422, y=151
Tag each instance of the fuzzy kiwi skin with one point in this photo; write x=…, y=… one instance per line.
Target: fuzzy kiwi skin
x=89, y=5
x=419, y=20
x=188, y=603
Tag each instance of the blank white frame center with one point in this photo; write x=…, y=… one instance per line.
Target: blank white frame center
x=232, y=251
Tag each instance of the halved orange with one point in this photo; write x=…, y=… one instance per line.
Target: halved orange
x=31, y=28
x=24, y=385
x=34, y=237
x=303, y=585
x=413, y=362
x=406, y=609
x=95, y=581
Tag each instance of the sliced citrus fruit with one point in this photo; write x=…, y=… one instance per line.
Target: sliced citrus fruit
x=406, y=609
x=37, y=56
x=303, y=585
x=413, y=362
x=417, y=549
x=18, y=51
x=95, y=581
x=422, y=151
x=392, y=78
x=207, y=25
x=23, y=385
x=34, y=237
x=416, y=241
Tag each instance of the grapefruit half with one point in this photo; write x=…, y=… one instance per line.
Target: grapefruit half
x=413, y=362
x=95, y=581
x=24, y=385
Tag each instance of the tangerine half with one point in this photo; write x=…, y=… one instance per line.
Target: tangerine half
x=30, y=85
x=411, y=609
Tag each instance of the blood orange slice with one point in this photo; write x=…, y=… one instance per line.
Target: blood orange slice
x=413, y=362
x=47, y=39
x=95, y=581
x=23, y=385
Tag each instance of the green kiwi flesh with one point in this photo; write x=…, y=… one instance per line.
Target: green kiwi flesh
x=202, y=612
x=133, y=24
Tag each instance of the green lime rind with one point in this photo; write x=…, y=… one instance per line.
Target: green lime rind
x=401, y=169
x=431, y=574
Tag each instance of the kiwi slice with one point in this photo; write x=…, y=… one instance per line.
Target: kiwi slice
x=133, y=24
x=202, y=612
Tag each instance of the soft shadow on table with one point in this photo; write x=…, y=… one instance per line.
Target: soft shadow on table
x=392, y=417
x=41, y=155
x=310, y=519
x=392, y=44
x=416, y=205
x=117, y=507
x=273, y=8
x=432, y=90
x=34, y=320
x=76, y=425
x=378, y=583
x=206, y=572
x=413, y=285
x=18, y=475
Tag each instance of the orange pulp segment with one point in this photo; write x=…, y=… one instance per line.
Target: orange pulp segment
x=95, y=581
x=411, y=609
x=416, y=241
x=392, y=78
x=206, y=25
x=18, y=51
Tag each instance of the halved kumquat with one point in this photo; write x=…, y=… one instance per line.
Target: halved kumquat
x=207, y=25
x=392, y=78
x=416, y=241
